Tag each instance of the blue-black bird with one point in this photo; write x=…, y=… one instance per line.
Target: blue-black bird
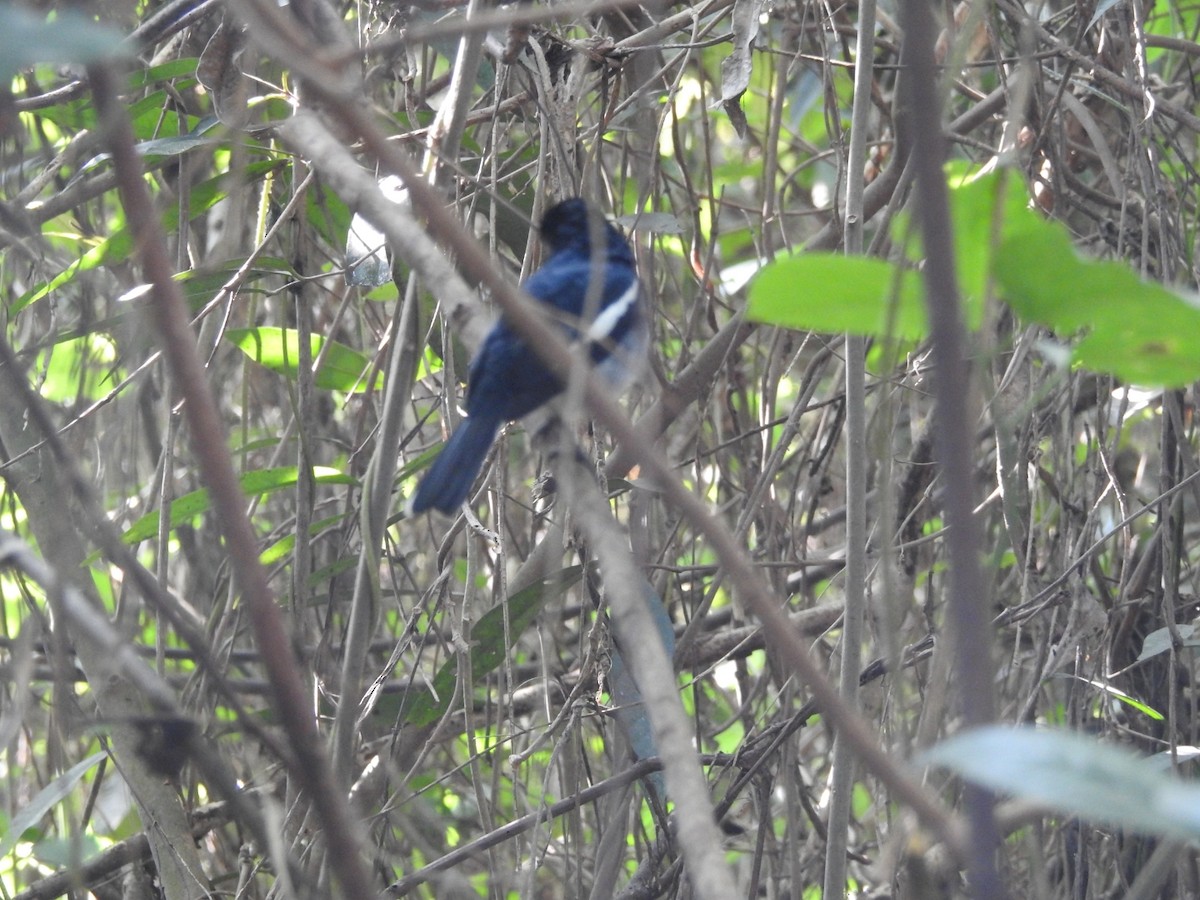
x=508, y=380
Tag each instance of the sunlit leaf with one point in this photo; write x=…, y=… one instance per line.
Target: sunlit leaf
x=1122, y=325
x=1135, y=329
x=983, y=210
x=260, y=481
x=1117, y=694
x=170, y=70
x=282, y=547
x=831, y=292
x=278, y=349
x=78, y=369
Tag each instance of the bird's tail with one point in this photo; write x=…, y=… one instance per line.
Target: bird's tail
x=448, y=481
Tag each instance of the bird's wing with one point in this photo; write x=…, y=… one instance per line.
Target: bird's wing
x=564, y=281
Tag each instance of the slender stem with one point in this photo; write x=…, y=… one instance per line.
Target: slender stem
x=842, y=778
x=969, y=625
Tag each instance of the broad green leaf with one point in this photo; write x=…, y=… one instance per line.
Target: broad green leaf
x=282, y=547
x=1159, y=641
x=261, y=481
x=342, y=369
x=75, y=115
x=45, y=800
x=200, y=286
x=832, y=292
x=148, y=122
x=422, y=706
x=61, y=853
x=167, y=71
x=1140, y=331
x=78, y=369
x=27, y=38
x=112, y=249
x=1075, y=775
x=982, y=210
x=180, y=143
x=1161, y=351
x=1045, y=281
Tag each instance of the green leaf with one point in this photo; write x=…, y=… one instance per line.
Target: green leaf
x=45, y=800
x=75, y=115
x=61, y=853
x=282, y=547
x=1161, y=351
x=166, y=71
x=78, y=369
x=1139, y=331
x=1117, y=694
x=117, y=246
x=1074, y=775
x=26, y=39
x=835, y=293
x=171, y=145
x=200, y=286
x=421, y=706
x=261, y=481
x=112, y=249
x=1159, y=641
x=982, y=210
x=329, y=572
x=181, y=143
x=278, y=349
x=832, y=292
x=1144, y=708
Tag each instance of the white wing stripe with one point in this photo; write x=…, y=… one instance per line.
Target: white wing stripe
x=602, y=328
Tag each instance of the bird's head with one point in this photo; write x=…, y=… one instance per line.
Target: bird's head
x=567, y=226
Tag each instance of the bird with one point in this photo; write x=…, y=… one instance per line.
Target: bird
x=367, y=262
x=507, y=380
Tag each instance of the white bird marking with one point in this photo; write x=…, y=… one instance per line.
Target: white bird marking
x=604, y=323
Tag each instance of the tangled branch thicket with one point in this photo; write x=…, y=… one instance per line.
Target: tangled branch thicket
x=460, y=670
